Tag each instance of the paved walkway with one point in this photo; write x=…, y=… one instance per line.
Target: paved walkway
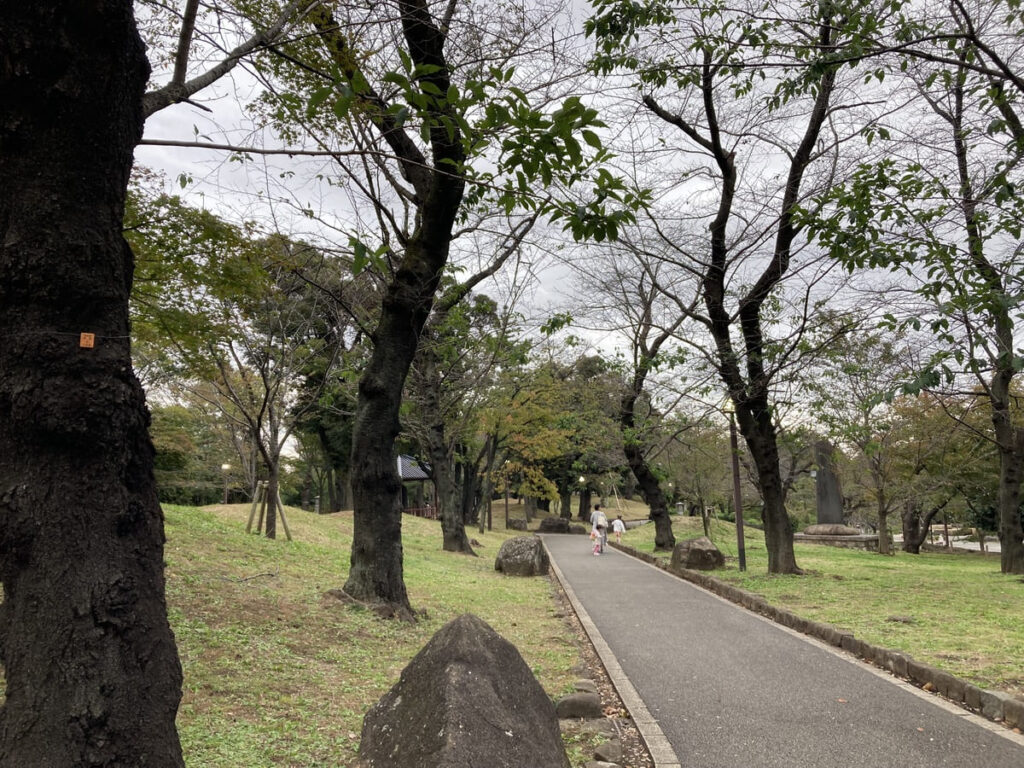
x=712, y=685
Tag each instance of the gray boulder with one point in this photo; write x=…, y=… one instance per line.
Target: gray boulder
x=467, y=698
x=698, y=554
x=609, y=752
x=830, y=529
x=516, y=524
x=522, y=556
x=585, y=686
x=583, y=705
x=553, y=525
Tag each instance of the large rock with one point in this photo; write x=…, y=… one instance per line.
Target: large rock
x=583, y=704
x=697, y=554
x=516, y=524
x=522, y=556
x=831, y=529
x=609, y=752
x=554, y=525
x=467, y=698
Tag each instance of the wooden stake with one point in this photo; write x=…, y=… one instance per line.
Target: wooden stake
x=284, y=520
x=263, y=505
x=252, y=512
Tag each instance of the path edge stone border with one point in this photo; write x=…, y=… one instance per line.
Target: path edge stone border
x=998, y=706
x=658, y=745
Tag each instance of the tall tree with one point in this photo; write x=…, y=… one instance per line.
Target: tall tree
x=636, y=303
x=952, y=210
x=240, y=329
x=703, y=71
x=432, y=116
x=92, y=674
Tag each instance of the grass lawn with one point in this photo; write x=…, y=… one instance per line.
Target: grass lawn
x=953, y=611
x=278, y=675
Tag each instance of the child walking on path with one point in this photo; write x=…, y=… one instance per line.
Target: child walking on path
x=600, y=523
x=619, y=527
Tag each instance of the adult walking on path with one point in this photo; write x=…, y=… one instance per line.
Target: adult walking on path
x=727, y=688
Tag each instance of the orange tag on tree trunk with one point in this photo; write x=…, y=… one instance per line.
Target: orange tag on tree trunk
x=87, y=340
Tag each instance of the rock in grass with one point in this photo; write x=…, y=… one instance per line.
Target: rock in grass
x=553, y=525
x=584, y=705
x=697, y=554
x=522, y=556
x=609, y=752
x=831, y=529
x=467, y=698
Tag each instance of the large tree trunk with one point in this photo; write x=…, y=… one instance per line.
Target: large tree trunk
x=884, y=545
x=453, y=528
x=650, y=487
x=376, y=571
x=916, y=525
x=650, y=491
x=1009, y=438
x=584, y=509
x=565, y=504
x=530, y=507
x=92, y=673
x=913, y=533
x=1011, y=533
x=470, y=492
x=759, y=431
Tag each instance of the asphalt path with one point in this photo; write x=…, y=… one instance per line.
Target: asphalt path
x=730, y=689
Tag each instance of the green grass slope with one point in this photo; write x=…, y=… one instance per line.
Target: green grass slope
x=278, y=675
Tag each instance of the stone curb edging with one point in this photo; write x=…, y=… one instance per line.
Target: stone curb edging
x=994, y=705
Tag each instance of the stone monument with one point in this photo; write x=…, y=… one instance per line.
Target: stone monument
x=829, y=496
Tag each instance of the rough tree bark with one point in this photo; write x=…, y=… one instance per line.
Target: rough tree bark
x=650, y=490
x=565, y=504
x=584, y=509
x=916, y=525
x=376, y=572
x=92, y=673
x=650, y=487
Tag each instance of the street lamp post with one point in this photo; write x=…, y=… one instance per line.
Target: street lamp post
x=584, y=507
x=225, y=468
x=741, y=548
